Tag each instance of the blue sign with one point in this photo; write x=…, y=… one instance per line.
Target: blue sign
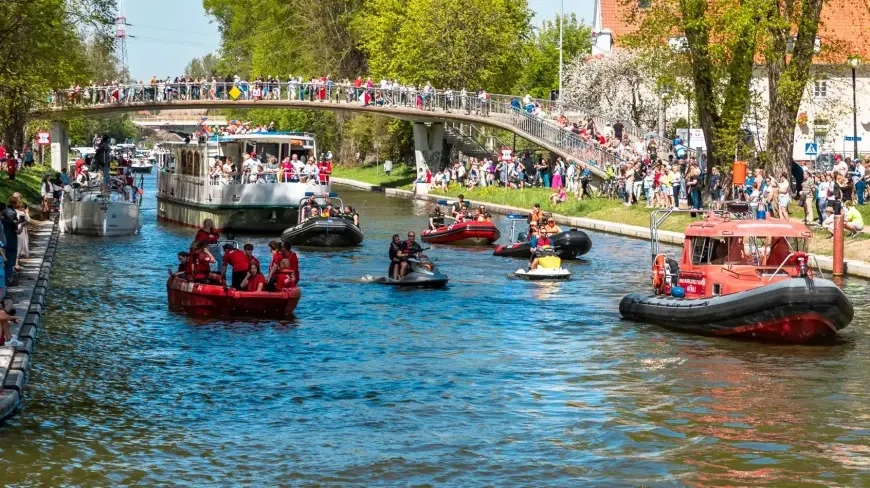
x=811, y=149
x=852, y=139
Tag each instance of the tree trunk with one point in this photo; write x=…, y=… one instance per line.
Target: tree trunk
x=788, y=80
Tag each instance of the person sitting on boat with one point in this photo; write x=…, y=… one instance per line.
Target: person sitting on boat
x=396, y=254
x=459, y=206
x=539, y=245
x=460, y=217
x=328, y=211
x=436, y=219
x=254, y=279
x=182, y=261
x=487, y=217
x=315, y=213
x=536, y=215
x=350, y=213
x=551, y=227
x=240, y=263
x=207, y=233
x=199, y=259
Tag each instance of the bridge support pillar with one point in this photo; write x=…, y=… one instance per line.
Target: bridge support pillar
x=428, y=145
x=59, y=145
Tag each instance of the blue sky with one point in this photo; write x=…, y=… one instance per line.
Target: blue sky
x=166, y=34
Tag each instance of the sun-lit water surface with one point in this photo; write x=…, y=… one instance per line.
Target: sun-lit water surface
x=492, y=382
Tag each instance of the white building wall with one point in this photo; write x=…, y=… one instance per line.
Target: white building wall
x=831, y=100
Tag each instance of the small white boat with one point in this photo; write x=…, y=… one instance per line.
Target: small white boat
x=91, y=212
x=142, y=166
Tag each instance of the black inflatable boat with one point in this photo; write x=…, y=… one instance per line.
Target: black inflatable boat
x=793, y=310
x=568, y=245
x=324, y=232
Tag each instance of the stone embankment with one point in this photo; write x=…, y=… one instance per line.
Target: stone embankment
x=28, y=295
x=854, y=268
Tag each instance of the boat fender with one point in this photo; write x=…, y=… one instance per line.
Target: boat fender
x=678, y=292
x=658, y=272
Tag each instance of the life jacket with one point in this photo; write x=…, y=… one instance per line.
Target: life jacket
x=210, y=237
x=197, y=266
x=284, y=279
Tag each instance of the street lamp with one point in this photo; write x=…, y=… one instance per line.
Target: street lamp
x=561, y=20
x=854, y=62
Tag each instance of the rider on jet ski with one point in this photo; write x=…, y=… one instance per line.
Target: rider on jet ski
x=539, y=244
x=400, y=251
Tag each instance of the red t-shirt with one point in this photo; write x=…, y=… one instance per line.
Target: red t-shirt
x=80, y=163
x=254, y=282
x=284, y=280
x=197, y=266
x=237, y=259
x=210, y=237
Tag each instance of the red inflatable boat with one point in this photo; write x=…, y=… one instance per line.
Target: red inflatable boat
x=468, y=232
x=203, y=300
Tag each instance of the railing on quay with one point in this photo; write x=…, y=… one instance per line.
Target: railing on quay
x=503, y=108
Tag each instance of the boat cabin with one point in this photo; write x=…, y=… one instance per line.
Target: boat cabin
x=312, y=206
x=722, y=256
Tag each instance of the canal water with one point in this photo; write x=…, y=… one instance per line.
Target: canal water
x=491, y=382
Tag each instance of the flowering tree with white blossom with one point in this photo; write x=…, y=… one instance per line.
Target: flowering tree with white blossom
x=616, y=86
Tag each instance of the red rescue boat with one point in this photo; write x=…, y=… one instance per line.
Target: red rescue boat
x=204, y=300
x=470, y=232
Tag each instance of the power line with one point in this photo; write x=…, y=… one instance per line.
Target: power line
x=166, y=29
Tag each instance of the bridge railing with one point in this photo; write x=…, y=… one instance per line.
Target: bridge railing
x=504, y=108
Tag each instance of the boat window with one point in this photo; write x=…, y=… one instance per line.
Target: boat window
x=196, y=169
x=703, y=248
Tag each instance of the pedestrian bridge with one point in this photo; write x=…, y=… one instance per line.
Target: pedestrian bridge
x=427, y=110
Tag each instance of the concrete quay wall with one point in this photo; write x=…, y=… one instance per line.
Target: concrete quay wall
x=853, y=268
x=28, y=295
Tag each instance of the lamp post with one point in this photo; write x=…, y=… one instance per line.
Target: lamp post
x=561, y=20
x=689, y=121
x=854, y=62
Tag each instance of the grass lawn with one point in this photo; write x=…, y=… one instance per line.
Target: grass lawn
x=400, y=177
x=27, y=182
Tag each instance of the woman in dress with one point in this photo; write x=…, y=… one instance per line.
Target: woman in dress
x=23, y=234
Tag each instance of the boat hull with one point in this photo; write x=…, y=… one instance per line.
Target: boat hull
x=416, y=280
x=242, y=219
x=202, y=300
x=95, y=218
x=795, y=310
x=324, y=232
x=568, y=245
x=463, y=233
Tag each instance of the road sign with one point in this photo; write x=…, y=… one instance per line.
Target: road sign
x=811, y=149
x=506, y=154
x=852, y=138
x=43, y=138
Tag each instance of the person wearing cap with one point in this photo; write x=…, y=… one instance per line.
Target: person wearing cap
x=240, y=262
x=551, y=228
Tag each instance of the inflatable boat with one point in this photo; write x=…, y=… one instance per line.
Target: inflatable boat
x=469, y=232
x=793, y=310
x=205, y=300
x=568, y=245
x=740, y=278
x=315, y=229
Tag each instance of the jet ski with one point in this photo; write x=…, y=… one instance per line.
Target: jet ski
x=549, y=268
x=422, y=273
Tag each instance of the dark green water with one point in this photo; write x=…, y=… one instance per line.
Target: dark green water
x=492, y=382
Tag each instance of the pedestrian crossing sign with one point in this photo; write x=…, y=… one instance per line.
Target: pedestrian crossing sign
x=811, y=149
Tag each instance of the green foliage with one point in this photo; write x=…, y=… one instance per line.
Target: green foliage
x=204, y=67
x=450, y=43
x=401, y=176
x=540, y=67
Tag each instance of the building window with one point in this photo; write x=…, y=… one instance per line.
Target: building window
x=644, y=3
x=820, y=89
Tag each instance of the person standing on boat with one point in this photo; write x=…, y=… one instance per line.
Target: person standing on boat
x=457, y=205
x=240, y=263
x=207, y=233
x=198, y=265
x=436, y=220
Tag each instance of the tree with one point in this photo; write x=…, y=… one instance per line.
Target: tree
x=540, y=72
x=450, y=43
x=204, y=67
x=615, y=86
x=32, y=61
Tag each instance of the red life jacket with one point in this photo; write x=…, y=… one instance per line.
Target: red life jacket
x=210, y=237
x=284, y=279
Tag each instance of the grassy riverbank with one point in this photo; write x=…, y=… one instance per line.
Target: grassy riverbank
x=401, y=177
x=26, y=182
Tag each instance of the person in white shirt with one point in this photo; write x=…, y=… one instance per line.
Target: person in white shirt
x=297, y=164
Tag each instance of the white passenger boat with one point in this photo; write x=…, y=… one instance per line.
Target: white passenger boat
x=190, y=189
x=143, y=166
x=91, y=211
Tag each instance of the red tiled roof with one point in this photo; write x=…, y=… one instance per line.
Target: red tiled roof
x=844, y=24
